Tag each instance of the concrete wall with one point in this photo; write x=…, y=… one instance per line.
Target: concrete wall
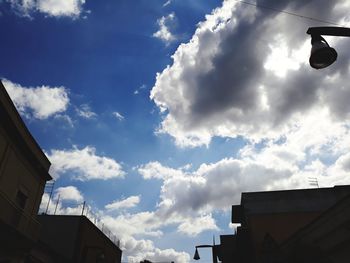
x=94, y=243
x=77, y=239
x=278, y=226
x=60, y=233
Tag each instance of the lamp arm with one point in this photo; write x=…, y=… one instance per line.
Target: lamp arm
x=329, y=31
x=204, y=246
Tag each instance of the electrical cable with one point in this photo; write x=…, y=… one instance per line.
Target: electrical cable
x=288, y=13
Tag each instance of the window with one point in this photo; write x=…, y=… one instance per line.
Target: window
x=21, y=199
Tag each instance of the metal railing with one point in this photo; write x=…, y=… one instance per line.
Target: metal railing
x=83, y=209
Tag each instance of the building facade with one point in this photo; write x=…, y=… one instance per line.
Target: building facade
x=23, y=175
x=283, y=226
x=26, y=236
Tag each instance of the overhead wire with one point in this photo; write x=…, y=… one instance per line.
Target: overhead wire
x=288, y=13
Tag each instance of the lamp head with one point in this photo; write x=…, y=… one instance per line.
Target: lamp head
x=322, y=55
x=196, y=255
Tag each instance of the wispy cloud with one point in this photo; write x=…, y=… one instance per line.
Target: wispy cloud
x=85, y=111
x=65, y=118
x=38, y=102
x=167, y=3
x=119, y=116
x=142, y=87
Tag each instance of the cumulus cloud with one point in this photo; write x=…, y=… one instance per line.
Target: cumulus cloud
x=165, y=24
x=69, y=193
x=56, y=8
x=245, y=73
x=84, y=164
x=145, y=224
x=129, y=202
x=188, y=198
x=37, y=102
x=210, y=187
x=138, y=250
x=195, y=226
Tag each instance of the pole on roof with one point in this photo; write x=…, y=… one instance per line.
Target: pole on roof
x=82, y=210
x=58, y=200
x=52, y=185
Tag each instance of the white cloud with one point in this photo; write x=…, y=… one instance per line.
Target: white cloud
x=84, y=164
x=69, y=193
x=129, y=202
x=39, y=102
x=85, y=111
x=189, y=197
x=245, y=73
x=158, y=255
x=165, y=23
x=144, y=224
x=195, y=226
x=216, y=186
x=56, y=8
x=118, y=116
x=157, y=170
x=60, y=7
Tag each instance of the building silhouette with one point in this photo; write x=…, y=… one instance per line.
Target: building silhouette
x=292, y=226
x=23, y=174
x=269, y=219
x=26, y=236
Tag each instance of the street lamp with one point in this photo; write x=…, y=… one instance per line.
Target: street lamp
x=214, y=250
x=322, y=55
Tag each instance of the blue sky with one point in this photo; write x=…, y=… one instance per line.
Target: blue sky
x=160, y=113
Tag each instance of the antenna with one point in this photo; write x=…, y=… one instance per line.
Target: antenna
x=49, y=189
x=313, y=181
